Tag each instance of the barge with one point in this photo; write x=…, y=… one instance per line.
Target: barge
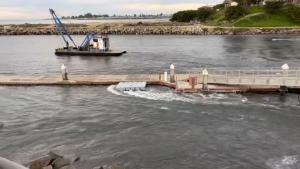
x=92, y=44
x=91, y=52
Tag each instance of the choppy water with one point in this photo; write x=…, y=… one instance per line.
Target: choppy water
x=157, y=128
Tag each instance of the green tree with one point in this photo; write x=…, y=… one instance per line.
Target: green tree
x=294, y=13
x=204, y=13
x=272, y=7
x=184, y=16
x=219, y=6
x=88, y=15
x=234, y=12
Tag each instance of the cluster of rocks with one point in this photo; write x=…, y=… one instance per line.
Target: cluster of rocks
x=53, y=161
x=167, y=28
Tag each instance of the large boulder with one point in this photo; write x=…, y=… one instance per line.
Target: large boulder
x=48, y=167
x=53, y=161
x=60, y=162
x=41, y=162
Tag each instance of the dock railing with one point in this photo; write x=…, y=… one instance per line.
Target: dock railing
x=255, y=76
x=243, y=76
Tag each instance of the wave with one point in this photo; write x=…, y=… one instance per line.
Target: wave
x=286, y=162
x=112, y=89
x=164, y=108
x=285, y=39
x=153, y=94
x=169, y=95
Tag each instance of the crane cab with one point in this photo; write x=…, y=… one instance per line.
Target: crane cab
x=101, y=43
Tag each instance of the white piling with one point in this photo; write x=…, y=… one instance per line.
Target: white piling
x=205, y=80
x=285, y=68
x=172, y=73
x=64, y=72
x=166, y=76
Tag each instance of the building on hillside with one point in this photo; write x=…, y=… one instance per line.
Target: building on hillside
x=228, y=3
x=294, y=2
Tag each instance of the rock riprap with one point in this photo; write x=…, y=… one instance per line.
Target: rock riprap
x=52, y=161
x=159, y=28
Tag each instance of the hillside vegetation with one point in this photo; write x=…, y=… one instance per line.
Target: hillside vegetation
x=272, y=14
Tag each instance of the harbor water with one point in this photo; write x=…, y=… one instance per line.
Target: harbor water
x=156, y=128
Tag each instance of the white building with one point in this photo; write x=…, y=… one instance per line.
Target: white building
x=229, y=3
x=295, y=2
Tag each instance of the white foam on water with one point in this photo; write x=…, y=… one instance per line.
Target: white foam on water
x=159, y=95
x=224, y=99
x=169, y=95
x=267, y=105
x=112, y=89
x=164, y=108
x=244, y=100
x=285, y=39
x=286, y=162
x=289, y=160
x=218, y=96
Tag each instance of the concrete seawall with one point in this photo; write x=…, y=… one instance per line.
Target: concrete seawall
x=159, y=28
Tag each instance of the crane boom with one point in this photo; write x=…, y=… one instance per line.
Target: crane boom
x=61, y=29
x=86, y=41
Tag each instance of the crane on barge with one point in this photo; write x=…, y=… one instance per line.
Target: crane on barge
x=92, y=44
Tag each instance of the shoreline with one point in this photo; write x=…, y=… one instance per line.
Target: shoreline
x=144, y=28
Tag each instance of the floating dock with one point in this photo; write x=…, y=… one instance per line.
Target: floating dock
x=219, y=81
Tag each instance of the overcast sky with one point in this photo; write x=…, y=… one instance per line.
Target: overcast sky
x=38, y=9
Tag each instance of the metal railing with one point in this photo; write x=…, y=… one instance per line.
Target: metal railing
x=255, y=76
x=245, y=76
x=294, y=73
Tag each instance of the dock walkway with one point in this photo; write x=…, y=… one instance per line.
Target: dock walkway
x=218, y=80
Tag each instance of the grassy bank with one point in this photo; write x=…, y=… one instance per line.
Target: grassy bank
x=252, y=16
x=265, y=20
x=258, y=17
